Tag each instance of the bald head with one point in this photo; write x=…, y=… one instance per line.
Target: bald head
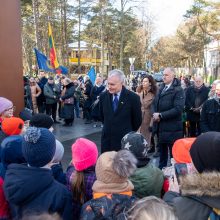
x=168, y=75
x=198, y=81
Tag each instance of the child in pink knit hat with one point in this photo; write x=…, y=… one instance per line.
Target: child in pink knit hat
x=81, y=173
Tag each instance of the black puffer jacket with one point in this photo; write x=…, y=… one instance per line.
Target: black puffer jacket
x=170, y=104
x=200, y=194
x=210, y=116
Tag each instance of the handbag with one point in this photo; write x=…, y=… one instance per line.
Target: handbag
x=69, y=101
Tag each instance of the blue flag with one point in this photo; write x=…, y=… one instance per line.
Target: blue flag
x=62, y=69
x=92, y=74
x=43, y=62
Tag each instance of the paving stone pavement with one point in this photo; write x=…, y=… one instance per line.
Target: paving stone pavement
x=67, y=136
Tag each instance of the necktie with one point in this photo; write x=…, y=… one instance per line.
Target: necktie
x=115, y=102
x=164, y=89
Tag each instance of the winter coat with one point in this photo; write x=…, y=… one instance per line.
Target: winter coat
x=35, y=92
x=68, y=109
x=88, y=89
x=58, y=173
x=30, y=189
x=95, y=92
x=146, y=101
x=194, y=99
x=28, y=97
x=89, y=179
x=170, y=105
x=87, y=94
x=41, y=98
x=51, y=93
x=200, y=194
x=4, y=206
x=11, y=152
x=2, y=137
x=210, y=116
x=109, y=207
x=126, y=118
x=77, y=93
x=147, y=181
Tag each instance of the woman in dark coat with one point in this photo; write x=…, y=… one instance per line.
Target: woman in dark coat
x=68, y=102
x=88, y=100
x=95, y=92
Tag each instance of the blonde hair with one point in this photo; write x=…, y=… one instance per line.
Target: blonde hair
x=151, y=208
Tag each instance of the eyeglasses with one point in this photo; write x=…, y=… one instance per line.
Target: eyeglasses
x=13, y=108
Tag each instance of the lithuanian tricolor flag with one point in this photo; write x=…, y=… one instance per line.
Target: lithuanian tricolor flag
x=53, y=56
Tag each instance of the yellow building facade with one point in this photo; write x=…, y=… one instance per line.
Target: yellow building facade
x=90, y=55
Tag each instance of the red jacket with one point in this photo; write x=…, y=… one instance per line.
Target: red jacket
x=4, y=207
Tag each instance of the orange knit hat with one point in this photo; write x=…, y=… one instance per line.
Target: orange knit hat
x=181, y=149
x=12, y=126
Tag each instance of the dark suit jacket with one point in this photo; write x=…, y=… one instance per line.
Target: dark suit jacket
x=126, y=118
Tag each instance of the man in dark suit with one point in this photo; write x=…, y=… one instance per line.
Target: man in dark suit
x=167, y=114
x=120, y=111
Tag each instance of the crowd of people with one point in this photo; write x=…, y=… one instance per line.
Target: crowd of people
x=45, y=95
x=122, y=182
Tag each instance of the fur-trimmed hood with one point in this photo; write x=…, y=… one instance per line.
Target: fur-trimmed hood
x=201, y=184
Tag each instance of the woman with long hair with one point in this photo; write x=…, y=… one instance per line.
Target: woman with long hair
x=81, y=173
x=147, y=91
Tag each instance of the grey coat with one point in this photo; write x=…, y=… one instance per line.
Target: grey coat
x=51, y=93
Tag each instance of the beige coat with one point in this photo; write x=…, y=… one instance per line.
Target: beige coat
x=35, y=92
x=146, y=102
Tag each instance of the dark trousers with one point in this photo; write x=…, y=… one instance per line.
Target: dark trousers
x=164, y=147
x=51, y=109
x=87, y=114
x=76, y=107
x=194, y=128
x=41, y=107
x=59, y=109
